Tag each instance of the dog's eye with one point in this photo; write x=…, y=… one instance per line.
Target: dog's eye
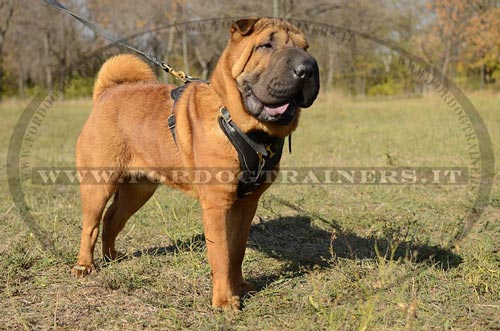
x=266, y=46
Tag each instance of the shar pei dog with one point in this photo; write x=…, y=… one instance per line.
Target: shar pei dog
x=231, y=127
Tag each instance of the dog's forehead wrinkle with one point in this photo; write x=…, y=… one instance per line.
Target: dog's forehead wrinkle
x=299, y=40
x=267, y=36
x=280, y=32
x=277, y=23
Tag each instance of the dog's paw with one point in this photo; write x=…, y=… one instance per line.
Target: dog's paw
x=80, y=271
x=232, y=303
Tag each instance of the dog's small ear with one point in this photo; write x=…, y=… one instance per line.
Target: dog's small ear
x=243, y=26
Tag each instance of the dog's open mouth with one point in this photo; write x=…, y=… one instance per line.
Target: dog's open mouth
x=280, y=113
x=277, y=110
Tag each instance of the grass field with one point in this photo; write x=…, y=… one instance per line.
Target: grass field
x=324, y=257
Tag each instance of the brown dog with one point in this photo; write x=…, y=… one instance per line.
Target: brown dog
x=263, y=76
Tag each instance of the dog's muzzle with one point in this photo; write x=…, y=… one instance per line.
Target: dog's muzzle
x=291, y=81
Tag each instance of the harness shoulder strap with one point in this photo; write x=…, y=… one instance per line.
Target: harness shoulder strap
x=171, y=126
x=175, y=94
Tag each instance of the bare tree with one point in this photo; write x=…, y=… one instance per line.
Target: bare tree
x=354, y=65
x=7, y=11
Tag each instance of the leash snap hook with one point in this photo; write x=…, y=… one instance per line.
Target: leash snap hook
x=225, y=115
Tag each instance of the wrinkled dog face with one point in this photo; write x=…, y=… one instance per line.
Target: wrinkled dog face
x=279, y=76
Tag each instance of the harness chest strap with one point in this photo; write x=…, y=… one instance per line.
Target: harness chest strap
x=257, y=151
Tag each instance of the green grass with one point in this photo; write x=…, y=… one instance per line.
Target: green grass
x=324, y=257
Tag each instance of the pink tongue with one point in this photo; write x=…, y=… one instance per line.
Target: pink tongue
x=273, y=111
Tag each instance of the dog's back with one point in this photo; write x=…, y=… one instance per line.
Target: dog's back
x=130, y=107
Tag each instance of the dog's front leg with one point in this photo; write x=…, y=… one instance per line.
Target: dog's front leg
x=226, y=232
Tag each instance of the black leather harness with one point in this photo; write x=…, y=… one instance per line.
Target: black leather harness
x=258, y=152
x=175, y=94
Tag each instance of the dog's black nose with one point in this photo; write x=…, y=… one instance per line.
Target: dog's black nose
x=302, y=71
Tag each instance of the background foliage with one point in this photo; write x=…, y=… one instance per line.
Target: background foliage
x=461, y=38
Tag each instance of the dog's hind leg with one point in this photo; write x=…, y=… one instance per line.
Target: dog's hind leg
x=129, y=198
x=94, y=199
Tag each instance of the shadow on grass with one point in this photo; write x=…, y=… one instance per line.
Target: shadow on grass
x=303, y=247
x=196, y=243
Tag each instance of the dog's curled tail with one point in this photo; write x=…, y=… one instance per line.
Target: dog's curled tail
x=120, y=69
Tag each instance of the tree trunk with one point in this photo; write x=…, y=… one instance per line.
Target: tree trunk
x=156, y=49
x=3, y=33
x=185, y=52
x=203, y=63
x=170, y=47
x=483, y=76
x=447, y=54
x=444, y=68
x=362, y=85
x=330, y=72
x=48, y=72
x=1, y=68
x=20, y=80
x=275, y=8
